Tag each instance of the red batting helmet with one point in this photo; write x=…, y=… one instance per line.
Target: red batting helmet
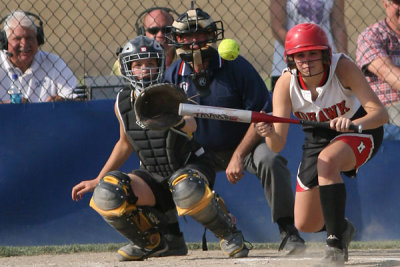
x=306, y=37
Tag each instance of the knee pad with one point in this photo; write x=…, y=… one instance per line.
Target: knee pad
x=193, y=197
x=114, y=200
x=190, y=191
x=113, y=195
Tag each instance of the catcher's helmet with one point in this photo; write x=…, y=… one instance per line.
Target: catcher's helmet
x=194, y=21
x=140, y=48
x=305, y=37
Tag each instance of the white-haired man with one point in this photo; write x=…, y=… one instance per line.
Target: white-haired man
x=43, y=76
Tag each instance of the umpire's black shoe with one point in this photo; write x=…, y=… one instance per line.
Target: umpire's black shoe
x=291, y=242
x=176, y=245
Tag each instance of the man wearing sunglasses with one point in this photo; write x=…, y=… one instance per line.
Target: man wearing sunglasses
x=155, y=26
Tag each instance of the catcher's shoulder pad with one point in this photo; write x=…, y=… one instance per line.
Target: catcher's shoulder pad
x=157, y=106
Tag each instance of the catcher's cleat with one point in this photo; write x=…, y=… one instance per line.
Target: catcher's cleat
x=347, y=236
x=234, y=246
x=132, y=252
x=333, y=257
x=292, y=243
x=176, y=246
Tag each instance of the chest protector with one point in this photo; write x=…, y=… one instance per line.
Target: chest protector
x=160, y=152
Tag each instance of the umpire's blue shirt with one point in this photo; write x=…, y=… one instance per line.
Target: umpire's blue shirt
x=235, y=84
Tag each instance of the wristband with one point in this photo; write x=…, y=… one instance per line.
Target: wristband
x=360, y=128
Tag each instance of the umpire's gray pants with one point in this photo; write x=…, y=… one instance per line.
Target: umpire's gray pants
x=274, y=175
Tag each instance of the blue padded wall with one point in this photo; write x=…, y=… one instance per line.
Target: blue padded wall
x=47, y=148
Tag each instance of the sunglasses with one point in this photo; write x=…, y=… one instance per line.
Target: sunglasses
x=155, y=30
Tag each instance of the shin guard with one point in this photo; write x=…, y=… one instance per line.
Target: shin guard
x=193, y=197
x=114, y=200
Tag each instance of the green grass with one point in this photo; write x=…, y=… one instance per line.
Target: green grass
x=8, y=251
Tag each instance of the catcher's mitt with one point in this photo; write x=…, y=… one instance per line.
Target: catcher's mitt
x=157, y=106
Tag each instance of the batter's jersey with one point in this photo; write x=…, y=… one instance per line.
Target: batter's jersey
x=333, y=99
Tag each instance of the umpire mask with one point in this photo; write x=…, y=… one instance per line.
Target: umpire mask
x=196, y=21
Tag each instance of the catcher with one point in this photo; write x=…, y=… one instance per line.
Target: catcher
x=191, y=186
x=139, y=204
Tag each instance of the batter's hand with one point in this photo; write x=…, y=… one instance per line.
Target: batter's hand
x=341, y=124
x=83, y=187
x=234, y=171
x=264, y=129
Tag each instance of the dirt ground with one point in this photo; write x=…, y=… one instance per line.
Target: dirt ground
x=258, y=257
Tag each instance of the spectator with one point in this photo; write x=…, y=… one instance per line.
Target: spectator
x=161, y=153
x=329, y=14
x=155, y=22
x=378, y=56
x=43, y=76
x=324, y=87
x=231, y=147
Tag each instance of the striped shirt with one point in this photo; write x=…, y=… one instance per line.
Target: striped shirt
x=378, y=41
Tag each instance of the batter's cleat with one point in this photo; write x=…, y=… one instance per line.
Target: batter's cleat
x=347, y=236
x=233, y=245
x=291, y=242
x=176, y=246
x=132, y=252
x=333, y=257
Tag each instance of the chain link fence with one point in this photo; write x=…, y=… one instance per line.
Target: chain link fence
x=87, y=33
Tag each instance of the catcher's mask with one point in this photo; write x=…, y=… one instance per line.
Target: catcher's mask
x=195, y=21
x=141, y=48
x=196, y=52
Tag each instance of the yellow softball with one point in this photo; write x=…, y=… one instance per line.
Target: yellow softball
x=229, y=49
